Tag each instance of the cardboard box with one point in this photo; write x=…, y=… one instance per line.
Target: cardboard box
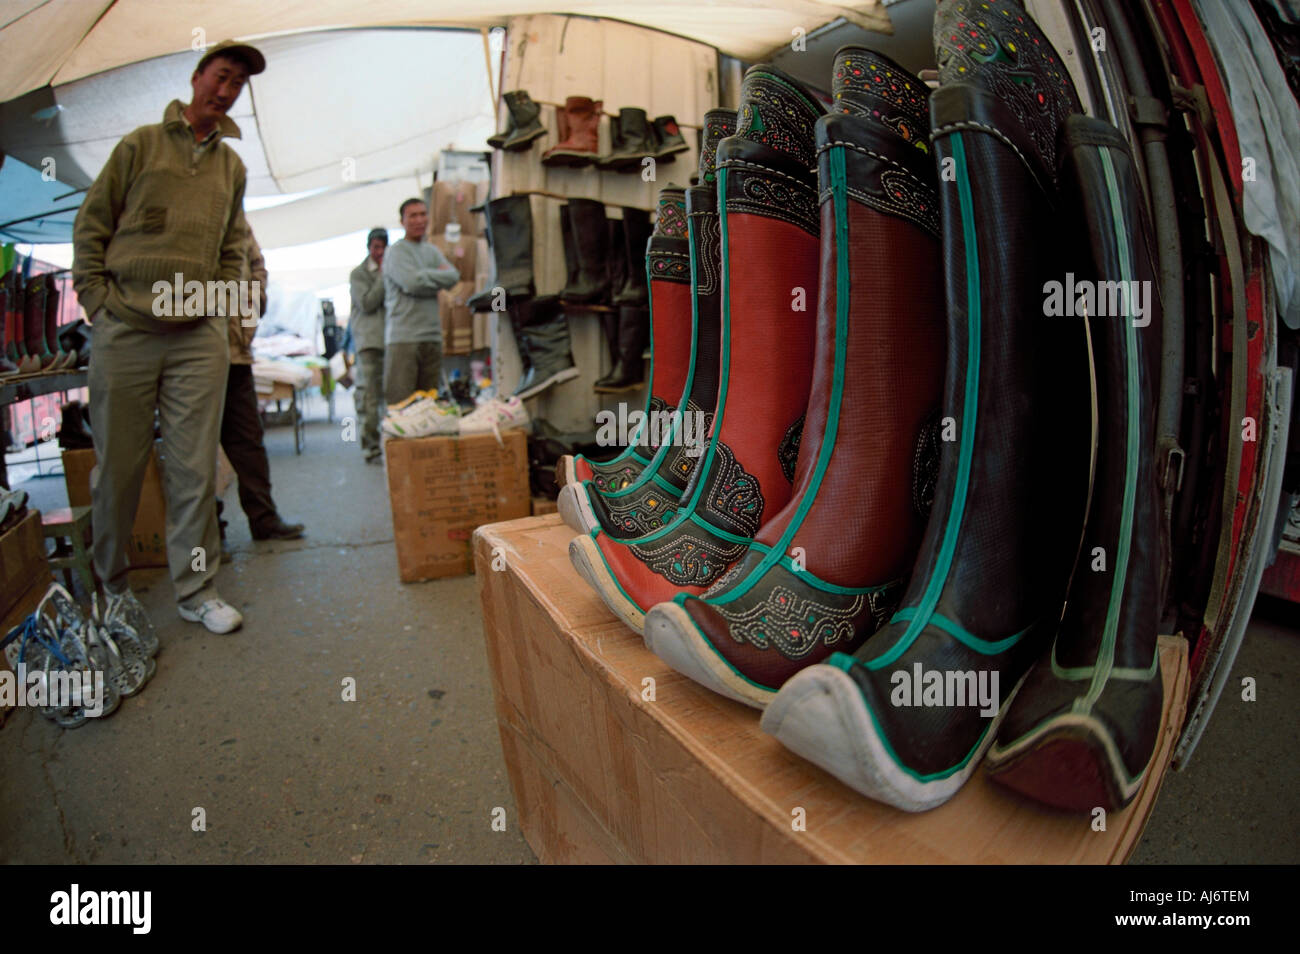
x=452, y=202
x=544, y=505
x=22, y=560
x=442, y=488
x=149, y=535
x=604, y=771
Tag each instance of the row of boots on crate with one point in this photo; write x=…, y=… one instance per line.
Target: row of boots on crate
x=887, y=539
x=32, y=343
x=605, y=273
x=633, y=136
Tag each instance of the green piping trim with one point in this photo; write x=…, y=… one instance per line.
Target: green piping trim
x=1127, y=673
x=652, y=468
x=1106, y=656
x=839, y=199
x=688, y=506
x=984, y=647
x=970, y=408
x=718, y=532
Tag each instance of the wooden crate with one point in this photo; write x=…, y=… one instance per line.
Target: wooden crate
x=602, y=773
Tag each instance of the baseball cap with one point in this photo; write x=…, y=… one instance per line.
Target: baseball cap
x=250, y=55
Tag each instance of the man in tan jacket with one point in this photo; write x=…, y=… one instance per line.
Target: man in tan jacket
x=241, y=425
x=159, y=241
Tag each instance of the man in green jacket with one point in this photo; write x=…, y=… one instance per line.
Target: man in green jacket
x=159, y=246
x=367, y=328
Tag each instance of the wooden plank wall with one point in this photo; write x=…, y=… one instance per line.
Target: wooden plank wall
x=553, y=57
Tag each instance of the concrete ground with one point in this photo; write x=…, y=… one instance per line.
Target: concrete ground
x=252, y=729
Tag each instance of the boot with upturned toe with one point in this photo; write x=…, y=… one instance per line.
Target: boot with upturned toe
x=907, y=718
x=1082, y=730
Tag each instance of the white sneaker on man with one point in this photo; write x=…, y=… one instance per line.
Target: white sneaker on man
x=214, y=613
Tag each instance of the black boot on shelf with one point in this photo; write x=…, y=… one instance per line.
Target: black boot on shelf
x=590, y=235
x=628, y=372
x=510, y=235
x=524, y=126
x=636, y=233
x=543, y=328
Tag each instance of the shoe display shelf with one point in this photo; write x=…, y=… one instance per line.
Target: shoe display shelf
x=614, y=757
x=17, y=388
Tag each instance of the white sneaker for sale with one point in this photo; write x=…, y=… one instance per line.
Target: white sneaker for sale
x=495, y=416
x=427, y=418
x=214, y=613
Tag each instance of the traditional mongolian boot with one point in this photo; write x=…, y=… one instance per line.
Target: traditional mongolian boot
x=767, y=195
x=579, y=143
x=525, y=123
x=1082, y=729
x=510, y=235
x=590, y=235
x=668, y=262
x=634, y=142
x=684, y=265
x=829, y=569
x=609, y=319
x=907, y=718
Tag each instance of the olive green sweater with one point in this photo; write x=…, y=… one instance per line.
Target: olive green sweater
x=161, y=206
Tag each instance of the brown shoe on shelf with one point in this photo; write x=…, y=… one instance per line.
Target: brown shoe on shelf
x=579, y=122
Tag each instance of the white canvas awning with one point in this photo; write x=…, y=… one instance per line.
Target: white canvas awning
x=60, y=41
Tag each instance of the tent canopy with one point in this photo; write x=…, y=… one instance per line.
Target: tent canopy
x=53, y=42
x=353, y=118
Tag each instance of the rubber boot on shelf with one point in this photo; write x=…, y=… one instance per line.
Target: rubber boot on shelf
x=544, y=328
x=510, y=237
x=617, y=268
x=8, y=346
x=525, y=123
x=28, y=361
x=868, y=456
x=636, y=233
x=579, y=143
x=907, y=718
x=1083, y=728
x=634, y=142
x=770, y=257
x=62, y=359
x=633, y=336
x=668, y=138
x=590, y=234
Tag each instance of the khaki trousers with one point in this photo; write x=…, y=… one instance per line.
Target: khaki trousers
x=369, y=393
x=411, y=366
x=183, y=375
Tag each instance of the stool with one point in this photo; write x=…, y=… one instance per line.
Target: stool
x=68, y=527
